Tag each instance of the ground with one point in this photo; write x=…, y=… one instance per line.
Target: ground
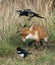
x=38, y=57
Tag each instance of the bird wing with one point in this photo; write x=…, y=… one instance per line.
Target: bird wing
x=27, y=10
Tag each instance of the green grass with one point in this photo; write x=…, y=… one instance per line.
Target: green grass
x=10, y=40
x=43, y=57
x=52, y=26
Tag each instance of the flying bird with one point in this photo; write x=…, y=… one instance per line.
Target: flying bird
x=23, y=53
x=23, y=12
x=28, y=13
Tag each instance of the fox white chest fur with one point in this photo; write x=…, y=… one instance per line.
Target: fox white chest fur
x=31, y=36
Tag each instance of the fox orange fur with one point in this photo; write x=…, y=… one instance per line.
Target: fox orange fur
x=35, y=32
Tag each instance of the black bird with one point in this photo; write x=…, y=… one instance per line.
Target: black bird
x=23, y=12
x=22, y=53
x=29, y=13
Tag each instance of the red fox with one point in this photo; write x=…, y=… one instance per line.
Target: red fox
x=35, y=32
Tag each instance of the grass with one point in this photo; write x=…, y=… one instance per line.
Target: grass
x=44, y=57
x=52, y=26
x=10, y=40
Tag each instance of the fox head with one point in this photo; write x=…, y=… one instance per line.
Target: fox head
x=25, y=32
